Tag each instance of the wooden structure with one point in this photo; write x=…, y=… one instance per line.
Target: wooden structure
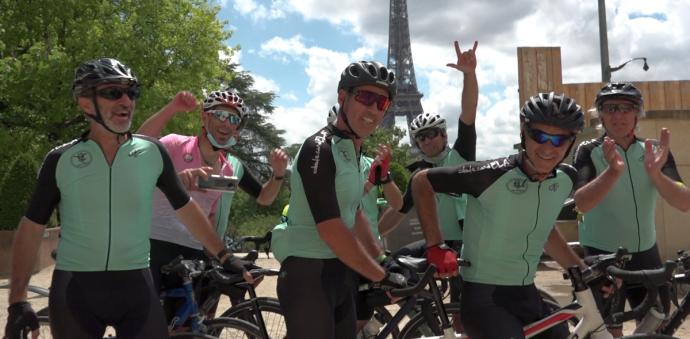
x=667, y=104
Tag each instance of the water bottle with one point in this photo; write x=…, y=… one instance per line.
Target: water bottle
x=371, y=329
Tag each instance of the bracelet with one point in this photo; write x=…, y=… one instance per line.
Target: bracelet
x=388, y=179
x=381, y=258
x=281, y=177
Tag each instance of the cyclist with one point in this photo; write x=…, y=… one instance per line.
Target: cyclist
x=430, y=135
x=619, y=176
x=327, y=235
x=102, y=184
x=222, y=116
x=512, y=205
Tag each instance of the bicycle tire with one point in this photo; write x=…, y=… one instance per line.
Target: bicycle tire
x=647, y=336
x=225, y=328
x=417, y=327
x=270, y=311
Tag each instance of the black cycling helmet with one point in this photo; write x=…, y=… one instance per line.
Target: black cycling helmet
x=368, y=73
x=554, y=110
x=619, y=90
x=101, y=71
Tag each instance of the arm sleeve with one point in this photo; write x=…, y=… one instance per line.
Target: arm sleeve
x=249, y=183
x=168, y=181
x=408, y=203
x=316, y=168
x=46, y=194
x=466, y=142
x=583, y=165
x=670, y=169
x=471, y=178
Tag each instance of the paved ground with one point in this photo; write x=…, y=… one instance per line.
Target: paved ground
x=549, y=278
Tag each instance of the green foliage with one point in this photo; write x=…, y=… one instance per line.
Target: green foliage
x=170, y=44
x=246, y=214
x=13, y=184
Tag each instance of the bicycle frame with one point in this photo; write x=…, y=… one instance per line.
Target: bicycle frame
x=190, y=309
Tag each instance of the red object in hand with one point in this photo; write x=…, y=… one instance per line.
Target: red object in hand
x=443, y=257
x=377, y=171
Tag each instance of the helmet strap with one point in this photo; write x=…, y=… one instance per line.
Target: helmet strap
x=350, y=131
x=99, y=119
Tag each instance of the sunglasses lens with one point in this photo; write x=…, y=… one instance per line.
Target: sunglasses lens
x=367, y=98
x=540, y=137
x=225, y=115
x=115, y=93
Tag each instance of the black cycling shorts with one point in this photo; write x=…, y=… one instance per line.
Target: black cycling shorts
x=83, y=304
x=317, y=298
x=493, y=311
x=633, y=293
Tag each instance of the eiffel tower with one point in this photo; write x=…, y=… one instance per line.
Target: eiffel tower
x=407, y=101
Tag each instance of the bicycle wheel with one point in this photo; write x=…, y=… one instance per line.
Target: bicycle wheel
x=270, y=312
x=227, y=328
x=418, y=327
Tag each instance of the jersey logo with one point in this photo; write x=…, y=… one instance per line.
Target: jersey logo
x=319, y=140
x=135, y=153
x=81, y=159
x=187, y=157
x=553, y=187
x=495, y=164
x=345, y=155
x=517, y=185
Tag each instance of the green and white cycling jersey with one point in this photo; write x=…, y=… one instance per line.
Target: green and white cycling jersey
x=449, y=206
x=326, y=183
x=626, y=215
x=370, y=200
x=508, y=218
x=104, y=210
x=247, y=182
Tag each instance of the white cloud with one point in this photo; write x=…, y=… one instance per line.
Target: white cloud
x=264, y=84
x=259, y=12
x=656, y=30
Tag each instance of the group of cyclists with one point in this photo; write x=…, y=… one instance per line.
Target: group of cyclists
x=125, y=197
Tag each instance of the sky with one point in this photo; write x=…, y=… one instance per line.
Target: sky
x=298, y=48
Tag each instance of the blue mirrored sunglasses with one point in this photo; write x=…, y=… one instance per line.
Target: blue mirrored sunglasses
x=542, y=137
x=232, y=117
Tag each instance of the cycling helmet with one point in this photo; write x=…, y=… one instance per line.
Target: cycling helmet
x=425, y=121
x=368, y=73
x=101, y=71
x=229, y=98
x=332, y=115
x=555, y=110
x=619, y=90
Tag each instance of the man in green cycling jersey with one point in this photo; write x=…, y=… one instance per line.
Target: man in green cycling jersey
x=619, y=177
x=326, y=238
x=512, y=205
x=102, y=184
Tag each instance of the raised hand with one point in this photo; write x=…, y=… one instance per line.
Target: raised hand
x=611, y=155
x=183, y=101
x=655, y=157
x=467, y=61
x=278, y=160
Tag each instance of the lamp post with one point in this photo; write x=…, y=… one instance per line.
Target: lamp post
x=606, y=69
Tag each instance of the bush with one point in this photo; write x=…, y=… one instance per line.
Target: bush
x=17, y=180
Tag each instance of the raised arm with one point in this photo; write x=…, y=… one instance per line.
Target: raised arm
x=182, y=102
x=278, y=160
x=467, y=63
x=662, y=172
x=593, y=192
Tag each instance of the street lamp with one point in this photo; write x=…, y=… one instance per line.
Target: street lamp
x=645, y=67
x=606, y=69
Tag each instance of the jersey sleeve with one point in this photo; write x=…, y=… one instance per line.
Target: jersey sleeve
x=316, y=168
x=583, y=165
x=570, y=171
x=168, y=181
x=249, y=183
x=466, y=142
x=670, y=169
x=46, y=194
x=471, y=178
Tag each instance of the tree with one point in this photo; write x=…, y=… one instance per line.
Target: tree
x=170, y=45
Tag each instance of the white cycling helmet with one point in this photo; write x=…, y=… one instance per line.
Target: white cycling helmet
x=426, y=121
x=228, y=98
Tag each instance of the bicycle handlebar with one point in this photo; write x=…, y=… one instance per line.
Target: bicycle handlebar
x=651, y=281
x=416, y=288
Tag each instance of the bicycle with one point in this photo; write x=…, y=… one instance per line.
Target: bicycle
x=436, y=320
x=238, y=244
x=198, y=326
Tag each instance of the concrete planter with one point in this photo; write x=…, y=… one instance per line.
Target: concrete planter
x=48, y=243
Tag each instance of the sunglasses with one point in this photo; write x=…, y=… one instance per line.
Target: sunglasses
x=115, y=93
x=367, y=98
x=427, y=134
x=226, y=115
x=542, y=137
x=623, y=108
